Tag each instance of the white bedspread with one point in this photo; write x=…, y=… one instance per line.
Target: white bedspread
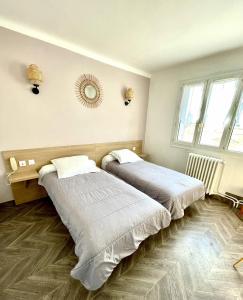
x=174, y=190
x=106, y=218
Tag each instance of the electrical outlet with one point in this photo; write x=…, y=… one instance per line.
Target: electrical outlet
x=22, y=163
x=31, y=162
x=134, y=148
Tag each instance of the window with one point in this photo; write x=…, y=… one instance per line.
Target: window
x=220, y=100
x=236, y=140
x=211, y=115
x=191, y=103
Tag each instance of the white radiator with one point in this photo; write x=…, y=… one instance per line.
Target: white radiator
x=205, y=168
x=210, y=171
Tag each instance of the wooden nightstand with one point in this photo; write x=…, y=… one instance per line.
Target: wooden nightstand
x=143, y=155
x=23, y=176
x=25, y=186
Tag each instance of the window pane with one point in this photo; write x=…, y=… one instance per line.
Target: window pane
x=191, y=103
x=220, y=99
x=236, y=142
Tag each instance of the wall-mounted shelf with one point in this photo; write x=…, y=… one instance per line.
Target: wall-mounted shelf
x=23, y=176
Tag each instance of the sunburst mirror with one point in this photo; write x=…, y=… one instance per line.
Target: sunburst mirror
x=89, y=90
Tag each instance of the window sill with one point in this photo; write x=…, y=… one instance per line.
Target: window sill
x=207, y=149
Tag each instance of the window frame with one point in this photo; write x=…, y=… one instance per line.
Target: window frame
x=233, y=119
x=228, y=129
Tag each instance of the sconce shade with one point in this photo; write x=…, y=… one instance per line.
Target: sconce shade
x=129, y=95
x=34, y=75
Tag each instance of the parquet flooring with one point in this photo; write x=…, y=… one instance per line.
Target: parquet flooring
x=192, y=259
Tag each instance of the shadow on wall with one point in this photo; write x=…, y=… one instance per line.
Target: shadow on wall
x=123, y=91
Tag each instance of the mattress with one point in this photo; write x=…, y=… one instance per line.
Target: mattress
x=174, y=190
x=106, y=218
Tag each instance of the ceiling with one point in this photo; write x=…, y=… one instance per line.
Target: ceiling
x=142, y=36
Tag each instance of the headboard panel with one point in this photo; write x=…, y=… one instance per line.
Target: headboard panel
x=27, y=192
x=43, y=156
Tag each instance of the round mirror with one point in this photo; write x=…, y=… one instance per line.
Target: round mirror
x=90, y=91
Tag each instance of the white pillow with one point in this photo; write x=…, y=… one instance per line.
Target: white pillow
x=125, y=156
x=46, y=170
x=75, y=165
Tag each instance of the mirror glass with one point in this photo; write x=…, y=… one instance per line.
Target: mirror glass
x=90, y=91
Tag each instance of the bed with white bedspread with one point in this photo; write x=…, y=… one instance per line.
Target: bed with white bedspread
x=174, y=190
x=106, y=218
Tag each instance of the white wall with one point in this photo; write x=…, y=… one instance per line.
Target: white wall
x=163, y=98
x=55, y=117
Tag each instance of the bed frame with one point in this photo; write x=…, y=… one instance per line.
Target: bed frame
x=24, y=182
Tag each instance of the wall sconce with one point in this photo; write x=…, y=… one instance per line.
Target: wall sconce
x=129, y=96
x=35, y=77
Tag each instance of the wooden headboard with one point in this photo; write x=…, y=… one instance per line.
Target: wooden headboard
x=25, y=191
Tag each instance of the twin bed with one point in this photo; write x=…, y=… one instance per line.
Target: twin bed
x=174, y=190
x=107, y=217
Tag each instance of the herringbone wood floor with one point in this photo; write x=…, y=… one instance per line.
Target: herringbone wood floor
x=192, y=259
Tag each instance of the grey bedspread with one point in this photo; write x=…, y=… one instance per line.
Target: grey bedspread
x=172, y=189
x=106, y=218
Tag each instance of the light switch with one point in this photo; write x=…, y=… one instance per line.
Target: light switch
x=134, y=148
x=22, y=163
x=31, y=162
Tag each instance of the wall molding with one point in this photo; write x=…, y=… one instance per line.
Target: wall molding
x=51, y=39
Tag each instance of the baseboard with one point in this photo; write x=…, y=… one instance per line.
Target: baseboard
x=235, y=196
x=7, y=203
